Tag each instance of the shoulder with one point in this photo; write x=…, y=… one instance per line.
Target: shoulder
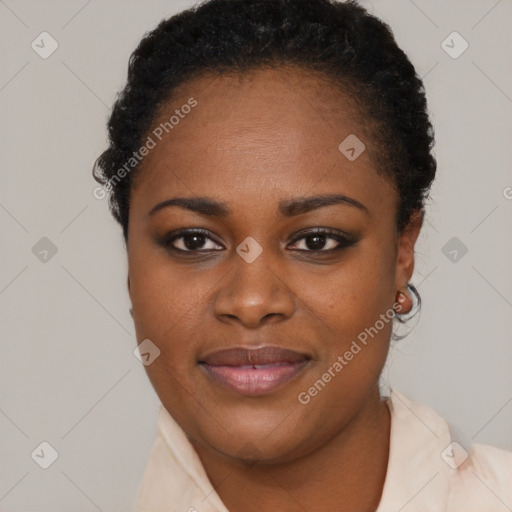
x=452, y=478
x=483, y=482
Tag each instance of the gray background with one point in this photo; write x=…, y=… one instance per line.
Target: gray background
x=67, y=372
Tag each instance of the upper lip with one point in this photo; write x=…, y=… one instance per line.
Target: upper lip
x=241, y=356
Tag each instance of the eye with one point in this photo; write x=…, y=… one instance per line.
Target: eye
x=317, y=240
x=323, y=240
x=190, y=240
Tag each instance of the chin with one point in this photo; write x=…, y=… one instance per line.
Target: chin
x=263, y=451
x=256, y=438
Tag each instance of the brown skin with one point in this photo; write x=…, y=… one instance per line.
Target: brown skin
x=251, y=143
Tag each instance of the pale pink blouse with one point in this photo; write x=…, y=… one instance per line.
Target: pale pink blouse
x=427, y=472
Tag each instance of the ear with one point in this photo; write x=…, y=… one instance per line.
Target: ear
x=405, y=253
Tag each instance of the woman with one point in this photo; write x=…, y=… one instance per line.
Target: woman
x=269, y=163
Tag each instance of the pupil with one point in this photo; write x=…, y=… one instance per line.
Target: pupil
x=320, y=242
x=194, y=237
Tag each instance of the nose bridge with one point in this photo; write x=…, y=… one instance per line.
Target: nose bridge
x=253, y=289
x=252, y=266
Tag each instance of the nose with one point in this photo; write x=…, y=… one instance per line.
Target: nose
x=253, y=294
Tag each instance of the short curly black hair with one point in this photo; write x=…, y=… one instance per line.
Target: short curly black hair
x=340, y=39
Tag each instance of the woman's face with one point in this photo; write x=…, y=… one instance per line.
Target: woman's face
x=257, y=149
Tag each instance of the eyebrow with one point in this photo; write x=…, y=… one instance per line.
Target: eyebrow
x=287, y=208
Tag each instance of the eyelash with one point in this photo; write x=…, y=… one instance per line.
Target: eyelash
x=344, y=241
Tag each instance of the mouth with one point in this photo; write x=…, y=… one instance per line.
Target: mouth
x=256, y=371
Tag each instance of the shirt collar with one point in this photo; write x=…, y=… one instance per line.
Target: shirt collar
x=416, y=477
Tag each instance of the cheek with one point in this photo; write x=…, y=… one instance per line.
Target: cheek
x=162, y=293
x=354, y=306
x=166, y=304
x=356, y=323
x=354, y=295
x=167, y=311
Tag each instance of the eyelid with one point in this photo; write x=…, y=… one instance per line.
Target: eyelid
x=324, y=231
x=169, y=238
x=343, y=239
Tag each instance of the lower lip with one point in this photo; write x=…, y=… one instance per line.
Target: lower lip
x=255, y=381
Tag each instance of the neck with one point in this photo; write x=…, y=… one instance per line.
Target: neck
x=349, y=469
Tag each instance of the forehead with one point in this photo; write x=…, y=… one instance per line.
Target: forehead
x=265, y=130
